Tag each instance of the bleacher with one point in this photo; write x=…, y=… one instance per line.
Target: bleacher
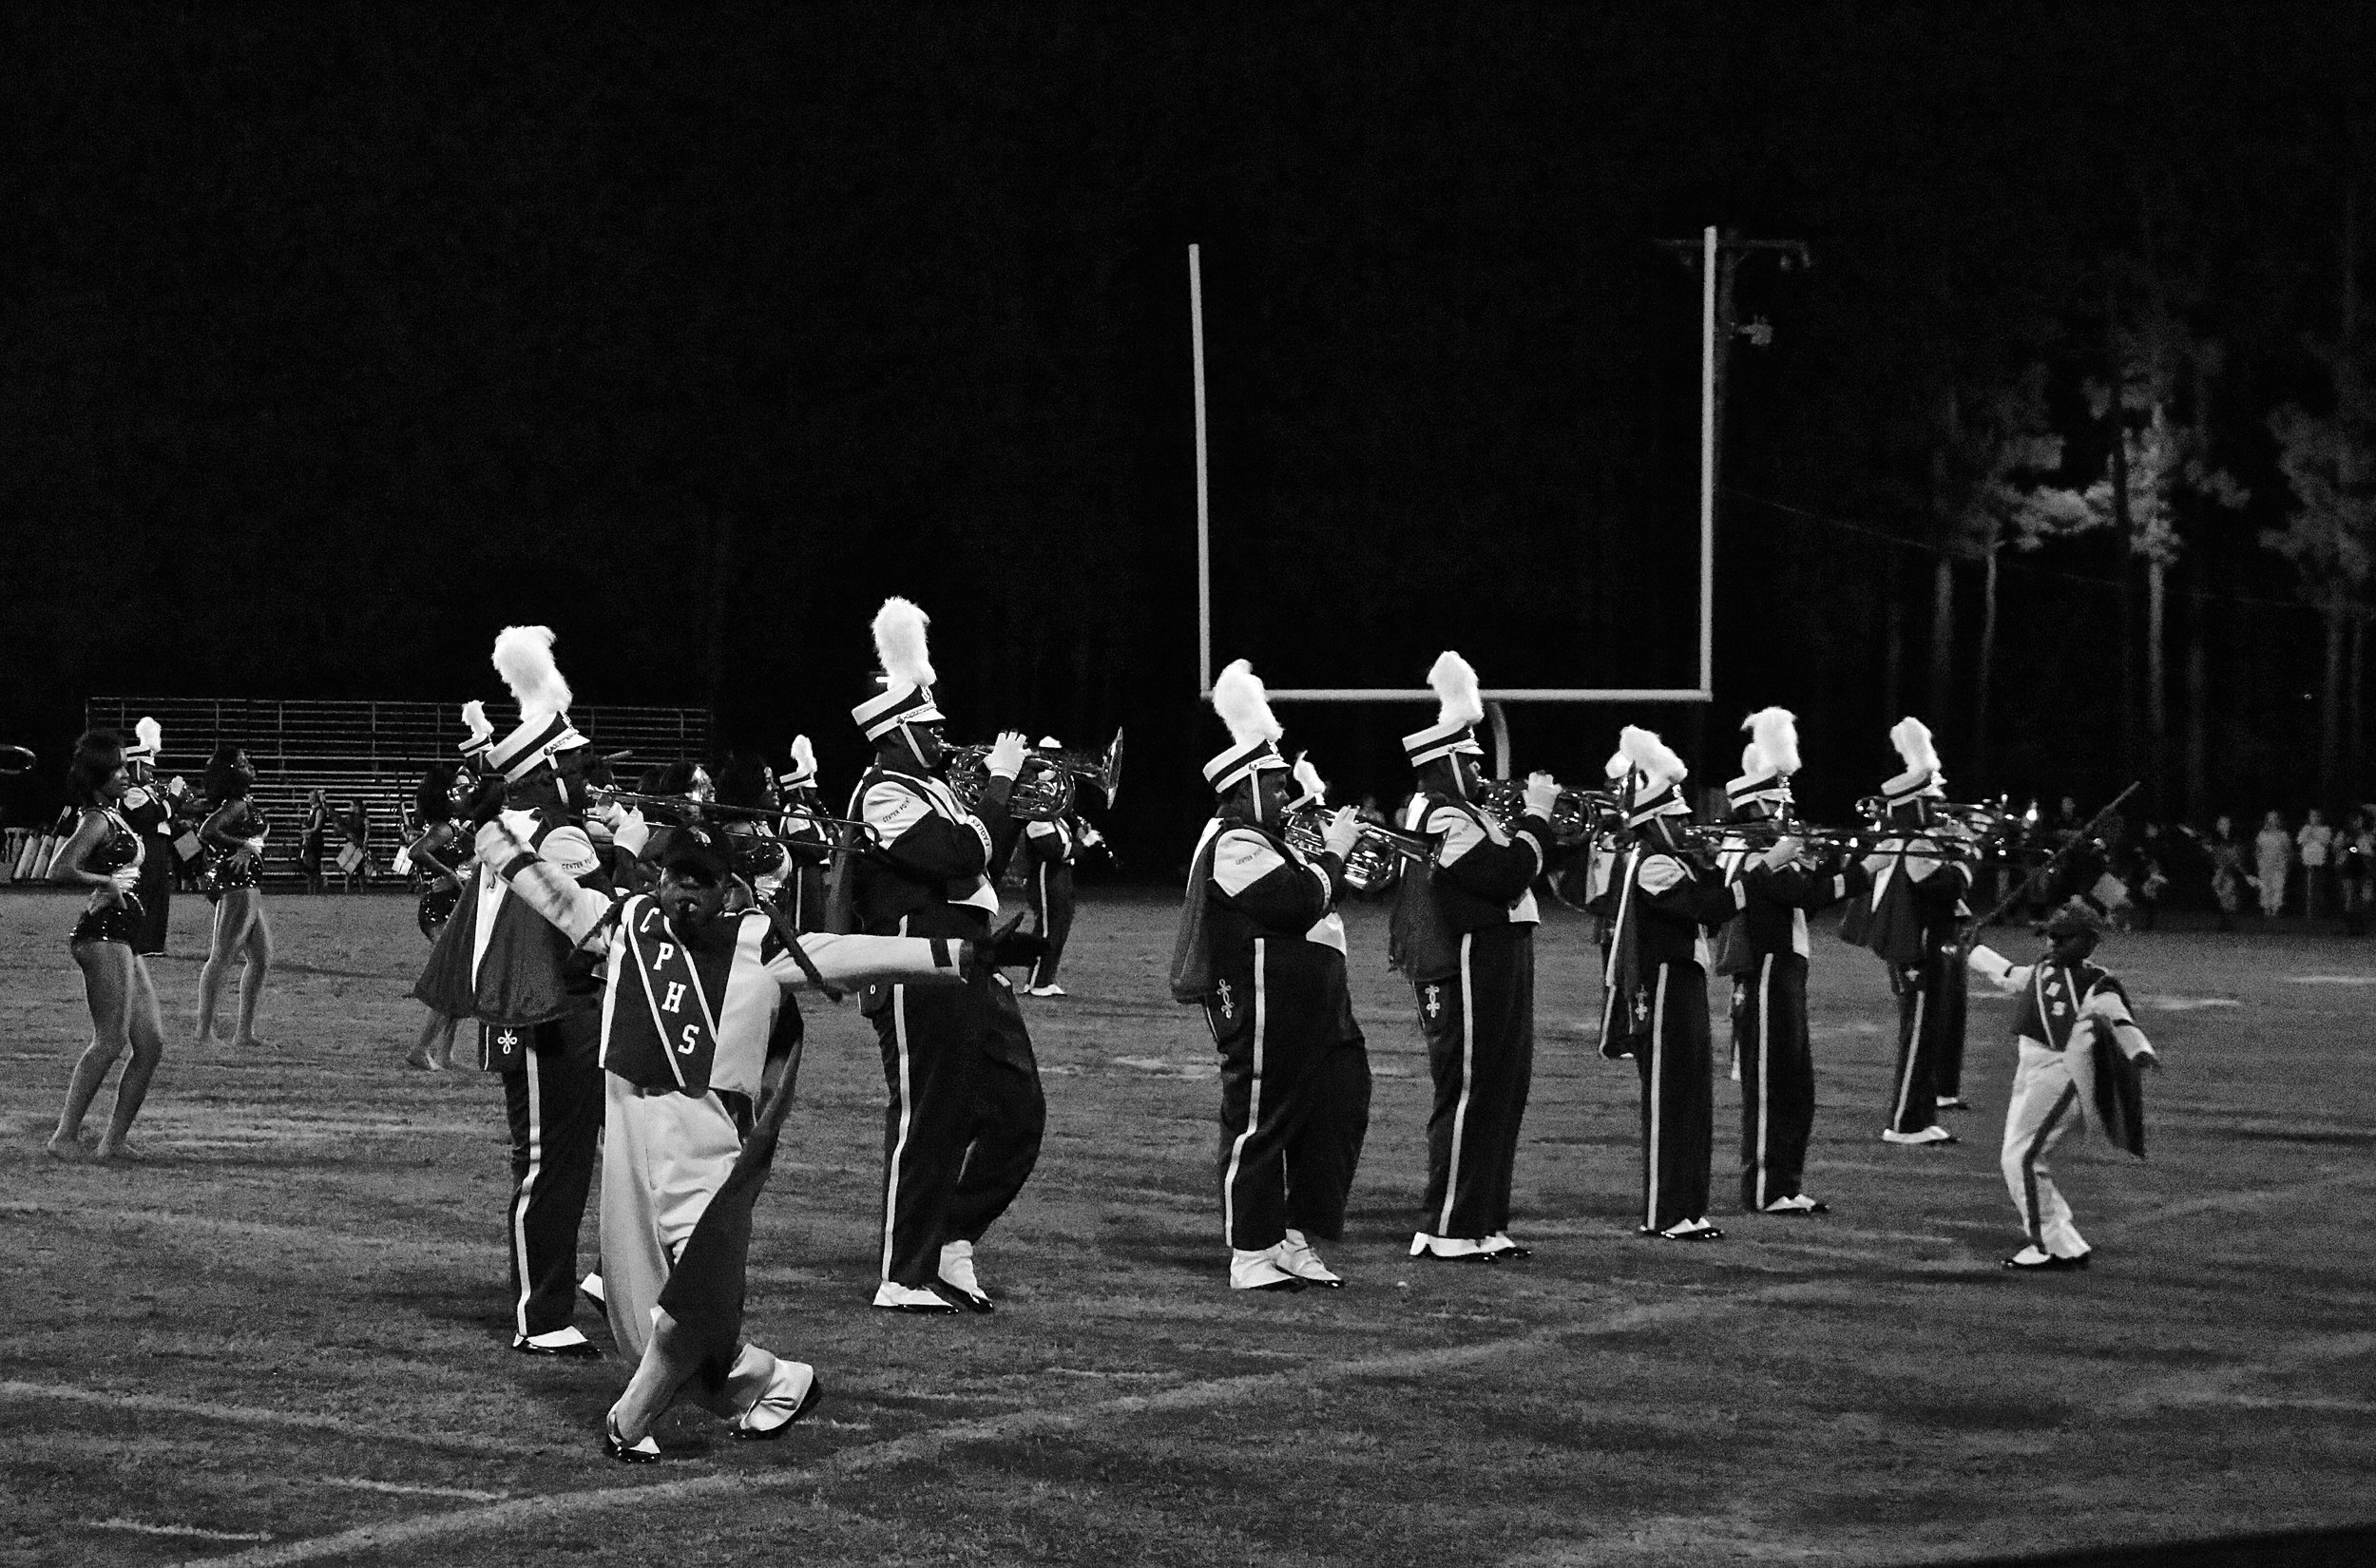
x=367, y=753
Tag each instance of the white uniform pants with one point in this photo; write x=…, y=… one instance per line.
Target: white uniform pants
x=2045, y=1106
x=664, y=1157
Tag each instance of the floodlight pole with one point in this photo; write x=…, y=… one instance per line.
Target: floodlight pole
x=1204, y=504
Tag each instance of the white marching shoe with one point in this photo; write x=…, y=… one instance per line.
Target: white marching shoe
x=1052, y=988
x=957, y=1273
x=791, y=1393
x=1296, y=1255
x=911, y=1298
x=1450, y=1248
x=592, y=1286
x=1932, y=1133
x=1262, y=1271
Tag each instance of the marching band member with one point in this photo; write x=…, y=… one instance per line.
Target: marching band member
x=961, y=1131
x=104, y=856
x=151, y=813
x=233, y=836
x=690, y=1048
x=443, y=854
x=538, y=1003
x=1262, y=950
x=2081, y=1050
x=1463, y=934
x=1910, y=921
x=1765, y=952
x=805, y=839
x=1655, y=1006
x=1052, y=847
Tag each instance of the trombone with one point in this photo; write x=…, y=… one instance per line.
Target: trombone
x=678, y=808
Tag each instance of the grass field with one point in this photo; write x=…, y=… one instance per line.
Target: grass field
x=282, y=1337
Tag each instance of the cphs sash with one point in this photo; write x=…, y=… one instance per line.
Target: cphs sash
x=668, y=1012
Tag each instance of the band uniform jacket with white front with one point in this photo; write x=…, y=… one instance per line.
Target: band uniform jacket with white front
x=1666, y=904
x=1273, y=942
x=928, y=872
x=1772, y=921
x=501, y=962
x=1481, y=877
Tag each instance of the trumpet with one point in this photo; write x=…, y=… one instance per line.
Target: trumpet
x=680, y=809
x=1045, y=787
x=1375, y=862
x=1575, y=815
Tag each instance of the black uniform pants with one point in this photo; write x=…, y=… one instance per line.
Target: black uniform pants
x=155, y=895
x=1678, y=1099
x=1480, y=1023
x=961, y=1122
x=1952, y=1001
x=1295, y=1104
x=554, y=1101
x=1777, y=1078
x=1051, y=895
x=1923, y=1018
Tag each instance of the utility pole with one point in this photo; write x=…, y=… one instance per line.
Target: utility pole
x=1718, y=256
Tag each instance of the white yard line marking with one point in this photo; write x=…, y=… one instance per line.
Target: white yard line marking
x=2214, y=1384
x=248, y=1415
x=311, y=1236
x=364, y=1483
x=2255, y=1199
x=2332, y=980
x=874, y=1456
x=190, y=1532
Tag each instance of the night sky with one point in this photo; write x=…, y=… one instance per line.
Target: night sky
x=340, y=336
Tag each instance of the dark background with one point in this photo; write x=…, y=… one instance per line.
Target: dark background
x=339, y=335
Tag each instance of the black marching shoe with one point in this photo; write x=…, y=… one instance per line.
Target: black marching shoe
x=646, y=1452
x=2036, y=1260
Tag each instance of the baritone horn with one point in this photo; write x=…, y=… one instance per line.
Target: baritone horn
x=1375, y=862
x=1045, y=787
x=1575, y=816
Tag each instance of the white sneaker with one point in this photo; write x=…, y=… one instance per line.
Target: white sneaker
x=792, y=1393
x=592, y=1286
x=957, y=1273
x=1261, y=1270
x=1450, y=1248
x=904, y=1298
x=1047, y=990
x=1296, y=1255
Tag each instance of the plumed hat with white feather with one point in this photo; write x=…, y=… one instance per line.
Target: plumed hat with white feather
x=906, y=697
x=150, y=739
x=1655, y=778
x=1769, y=761
x=1459, y=707
x=523, y=656
x=1911, y=737
x=1244, y=705
x=803, y=770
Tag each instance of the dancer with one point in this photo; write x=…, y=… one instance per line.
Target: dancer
x=104, y=856
x=443, y=855
x=234, y=835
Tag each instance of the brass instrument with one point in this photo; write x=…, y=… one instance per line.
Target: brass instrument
x=680, y=809
x=1044, y=789
x=1575, y=815
x=1375, y=862
x=14, y=761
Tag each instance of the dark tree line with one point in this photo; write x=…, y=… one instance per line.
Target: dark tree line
x=340, y=336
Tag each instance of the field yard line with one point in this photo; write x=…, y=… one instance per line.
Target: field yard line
x=313, y=1235
x=2252, y=1198
x=256, y=1416
x=2210, y=1385
x=871, y=1456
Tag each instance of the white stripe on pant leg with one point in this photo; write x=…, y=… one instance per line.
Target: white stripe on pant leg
x=907, y=1115
x=1040, y=961
x=1253, y=1102
x=1467, y=1064
x=1656, y=1093
x=1913, y=1048
x=1765, y=1070
x=527, y=1187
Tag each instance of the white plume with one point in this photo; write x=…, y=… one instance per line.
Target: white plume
x=803, y=756
x=1239, y=697
x=1912, y=736
x=151, y=734
x=900, y=644
x=1753, y=760
x=475, y=719
x=1653, y=758
x=523, y=656
x=1308, y=779
x=1455, y=682
x=1617, y=767
x=1774, y=733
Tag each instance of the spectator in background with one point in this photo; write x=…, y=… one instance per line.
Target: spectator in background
x=2146, y=877
x=2355, y=869
x=2317, y=843
x=314, y=839
x=2273, y=848
x=354, y=854
x=2227, y=876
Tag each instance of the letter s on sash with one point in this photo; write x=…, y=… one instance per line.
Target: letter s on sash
x=692, y=1038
